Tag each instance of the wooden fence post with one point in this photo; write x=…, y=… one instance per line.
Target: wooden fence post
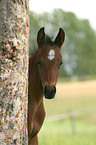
x=73, y=122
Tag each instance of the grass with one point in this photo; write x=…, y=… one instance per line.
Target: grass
x=60, y=133
x=71, y=96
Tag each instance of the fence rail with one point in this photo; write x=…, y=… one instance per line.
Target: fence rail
x=71, y=114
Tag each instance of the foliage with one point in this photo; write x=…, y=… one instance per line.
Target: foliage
x=79, y=52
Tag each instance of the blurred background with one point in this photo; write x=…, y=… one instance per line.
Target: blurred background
x=71, y=116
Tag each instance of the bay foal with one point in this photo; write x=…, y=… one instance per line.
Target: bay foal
x=43, y=71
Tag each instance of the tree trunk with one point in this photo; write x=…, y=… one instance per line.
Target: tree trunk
x=14, y=36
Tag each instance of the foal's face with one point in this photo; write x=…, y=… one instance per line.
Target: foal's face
x=49, y=61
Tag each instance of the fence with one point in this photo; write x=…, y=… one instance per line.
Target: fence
x=72, y=115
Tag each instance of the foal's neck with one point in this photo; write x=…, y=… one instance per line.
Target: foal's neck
x=35, y=85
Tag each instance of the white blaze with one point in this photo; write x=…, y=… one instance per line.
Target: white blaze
x=51, y=54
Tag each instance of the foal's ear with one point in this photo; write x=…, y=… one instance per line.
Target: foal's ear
x=41, y=36
x=59, y=40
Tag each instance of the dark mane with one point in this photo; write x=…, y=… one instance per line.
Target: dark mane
x=48, y=40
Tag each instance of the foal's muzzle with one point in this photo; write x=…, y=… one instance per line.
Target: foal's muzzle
x=49, y=92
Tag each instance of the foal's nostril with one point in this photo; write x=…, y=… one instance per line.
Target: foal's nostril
x=49, y=92
x=54, y=88
x=46, y=90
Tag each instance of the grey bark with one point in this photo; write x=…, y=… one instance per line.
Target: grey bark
x=14, y=37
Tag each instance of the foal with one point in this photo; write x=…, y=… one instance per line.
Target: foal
x=43, y=71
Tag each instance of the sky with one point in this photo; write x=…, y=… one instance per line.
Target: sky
x=83, y=9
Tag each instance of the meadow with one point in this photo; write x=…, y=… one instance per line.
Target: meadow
x=78, y=98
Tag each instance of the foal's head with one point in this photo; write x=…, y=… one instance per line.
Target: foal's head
x=49, y=61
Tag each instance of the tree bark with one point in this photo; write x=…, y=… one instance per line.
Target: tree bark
x=14, y=37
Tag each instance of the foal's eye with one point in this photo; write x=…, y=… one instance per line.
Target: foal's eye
x=60, y=64
x=39, y=63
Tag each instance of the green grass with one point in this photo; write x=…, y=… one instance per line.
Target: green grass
x=60, y=133
x=71, y=96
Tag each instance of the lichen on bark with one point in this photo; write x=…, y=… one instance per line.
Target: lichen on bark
x=14, y=36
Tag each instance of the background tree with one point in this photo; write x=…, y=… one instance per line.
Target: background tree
x=79, y=52
x=14, y=34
